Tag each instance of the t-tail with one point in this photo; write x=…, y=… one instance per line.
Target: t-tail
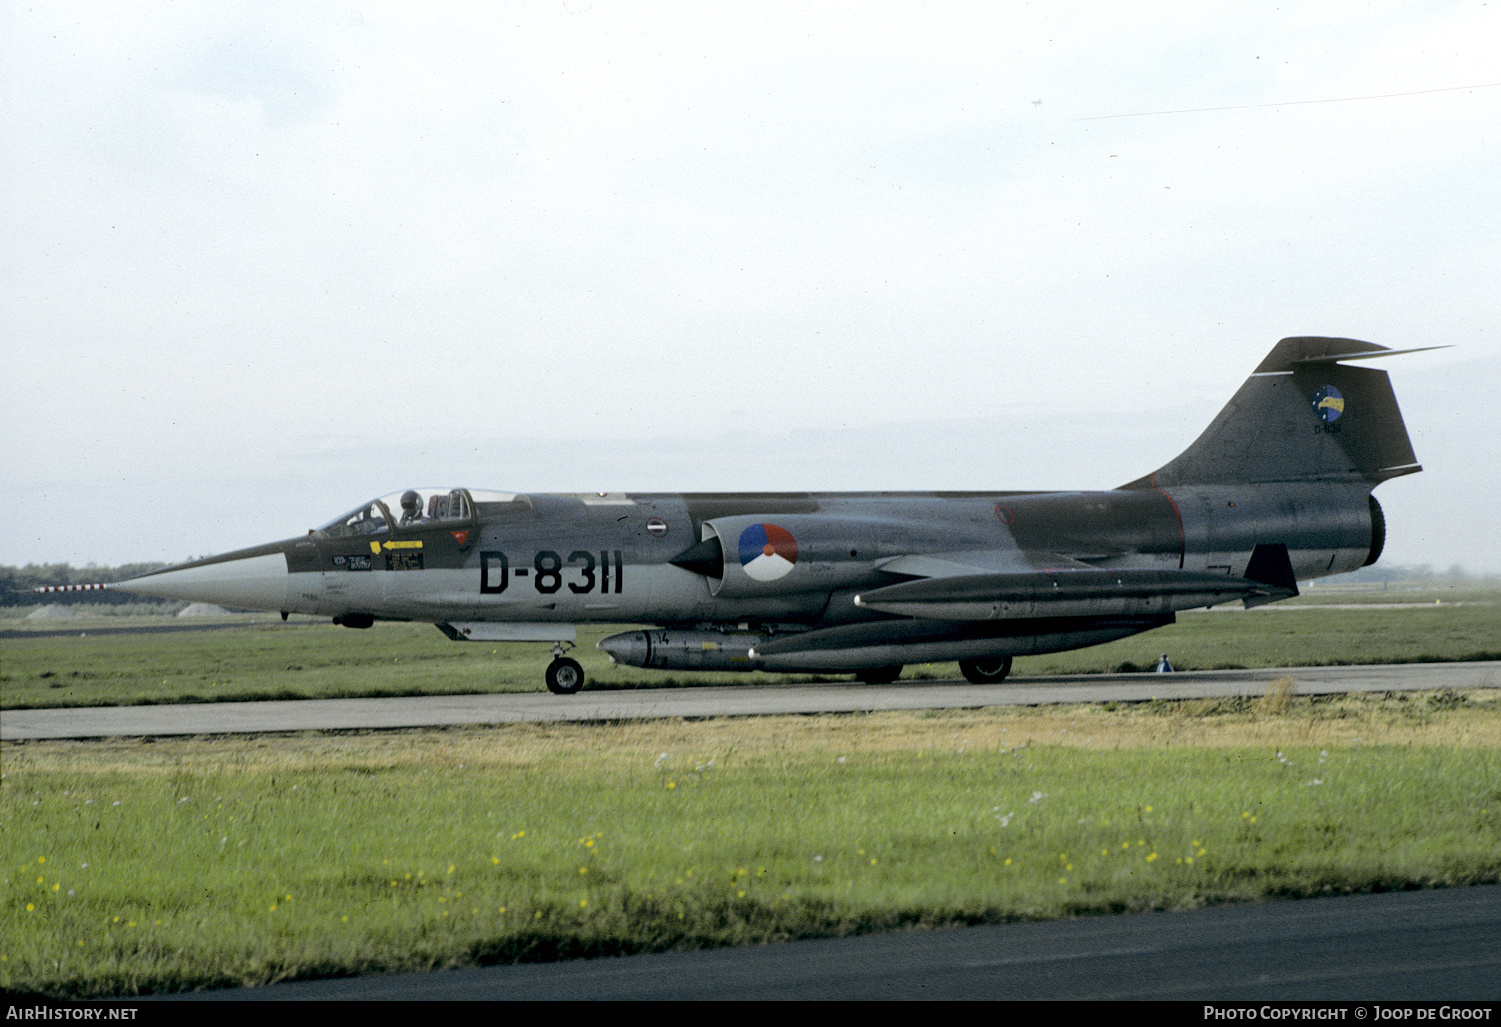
x=1303, y=415
x=1289, y=464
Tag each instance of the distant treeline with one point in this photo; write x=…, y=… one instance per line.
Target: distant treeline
x=18, y=585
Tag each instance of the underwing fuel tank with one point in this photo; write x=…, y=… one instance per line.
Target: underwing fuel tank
x=884, y=643
x=862, y=646
x=682, y=650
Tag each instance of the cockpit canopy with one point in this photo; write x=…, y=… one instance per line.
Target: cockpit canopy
x=416, y=508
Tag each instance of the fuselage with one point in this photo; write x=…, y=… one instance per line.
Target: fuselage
x=547, y=558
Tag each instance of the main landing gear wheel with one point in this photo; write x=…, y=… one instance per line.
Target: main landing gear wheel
x=564, y=676
x=989, y=671
x=879, y=675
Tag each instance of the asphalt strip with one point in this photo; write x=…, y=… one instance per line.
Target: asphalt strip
x=723, y=701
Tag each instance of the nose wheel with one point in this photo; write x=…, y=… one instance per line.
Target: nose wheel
x=564, y=675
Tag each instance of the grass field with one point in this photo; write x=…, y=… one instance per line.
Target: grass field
x=128, y=867
x=317, y=660
x=140, y=866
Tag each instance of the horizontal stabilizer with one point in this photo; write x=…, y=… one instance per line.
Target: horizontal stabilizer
x=1365, y=355
x=1303, y=415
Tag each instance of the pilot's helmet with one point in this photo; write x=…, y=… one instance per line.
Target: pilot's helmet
x=411, y=503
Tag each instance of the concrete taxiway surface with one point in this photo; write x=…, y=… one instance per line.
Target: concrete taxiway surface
x=723, y=701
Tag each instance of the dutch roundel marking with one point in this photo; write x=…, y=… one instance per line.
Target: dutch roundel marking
x=1328, y=404
x=767, y=552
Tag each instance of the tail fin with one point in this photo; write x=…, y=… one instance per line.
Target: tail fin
x=1301, y=416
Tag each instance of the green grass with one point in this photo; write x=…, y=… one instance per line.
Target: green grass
x=1484, y=590
x=1279, y=637
x=310, y=660
x=128, y=868
x=318, y=660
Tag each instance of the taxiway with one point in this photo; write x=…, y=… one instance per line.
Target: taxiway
x=730, y=700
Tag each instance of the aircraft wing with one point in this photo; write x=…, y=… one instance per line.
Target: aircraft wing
x=957, y=587
x=975, y=562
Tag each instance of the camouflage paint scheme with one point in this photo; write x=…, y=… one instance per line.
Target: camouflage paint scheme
x=1277, y=489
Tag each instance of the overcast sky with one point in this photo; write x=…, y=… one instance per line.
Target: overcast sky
x=262, y=262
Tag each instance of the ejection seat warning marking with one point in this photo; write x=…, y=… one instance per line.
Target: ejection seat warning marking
x=376, y=547
x=549, y=572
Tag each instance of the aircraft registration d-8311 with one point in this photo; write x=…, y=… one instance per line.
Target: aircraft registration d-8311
x=1276, y=489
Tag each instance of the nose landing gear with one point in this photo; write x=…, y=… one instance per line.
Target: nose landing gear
x=564, y=675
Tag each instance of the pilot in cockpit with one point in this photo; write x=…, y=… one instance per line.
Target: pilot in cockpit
x=411, y=509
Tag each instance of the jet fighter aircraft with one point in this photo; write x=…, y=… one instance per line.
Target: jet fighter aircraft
x=1276, y=489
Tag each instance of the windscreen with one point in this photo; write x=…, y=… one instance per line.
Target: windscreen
x=366, y=520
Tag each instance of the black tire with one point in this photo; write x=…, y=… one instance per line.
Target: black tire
x=989, y=671
x=879, y=675
x=564, y=676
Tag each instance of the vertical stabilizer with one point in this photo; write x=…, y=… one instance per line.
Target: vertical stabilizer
x=1301, y=416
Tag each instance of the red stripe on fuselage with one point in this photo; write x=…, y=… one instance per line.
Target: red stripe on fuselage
x=1182, y=539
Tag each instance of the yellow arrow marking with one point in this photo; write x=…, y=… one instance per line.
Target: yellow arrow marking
x=417, y=544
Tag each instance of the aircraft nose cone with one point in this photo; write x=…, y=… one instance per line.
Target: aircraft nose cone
x=249, y=582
